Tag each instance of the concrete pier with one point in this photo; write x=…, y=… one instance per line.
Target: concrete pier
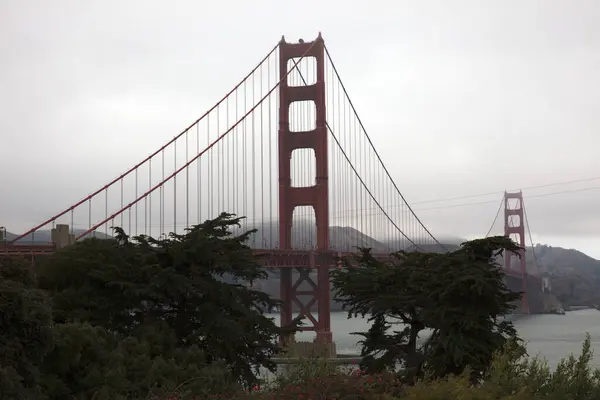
x=61, y=236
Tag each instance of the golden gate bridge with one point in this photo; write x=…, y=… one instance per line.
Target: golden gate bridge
x=287, y=149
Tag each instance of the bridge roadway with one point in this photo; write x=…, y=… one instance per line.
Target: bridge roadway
x=272, y=258
x=537, y=300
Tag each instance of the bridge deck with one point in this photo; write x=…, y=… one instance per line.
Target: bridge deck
x=27, y=249
x=272, y=258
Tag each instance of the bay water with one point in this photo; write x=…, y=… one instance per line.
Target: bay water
x=552, y=337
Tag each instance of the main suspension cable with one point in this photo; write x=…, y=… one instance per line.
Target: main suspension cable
x=375, y=150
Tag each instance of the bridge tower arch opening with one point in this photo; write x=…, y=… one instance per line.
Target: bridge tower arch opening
x=546, y=283
x=514, y=228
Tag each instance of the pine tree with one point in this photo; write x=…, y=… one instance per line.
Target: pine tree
x=460, y=297
x=197, y=284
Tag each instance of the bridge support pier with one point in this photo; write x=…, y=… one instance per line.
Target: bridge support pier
x=318, y=295
x=61, y=236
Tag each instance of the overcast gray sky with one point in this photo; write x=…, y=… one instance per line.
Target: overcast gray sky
x=486, y=95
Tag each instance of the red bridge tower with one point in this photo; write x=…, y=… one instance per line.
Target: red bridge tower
x=514, y=228
x=315, y=196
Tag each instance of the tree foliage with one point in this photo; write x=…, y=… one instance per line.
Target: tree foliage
x=196, y=284
x=458, y=297
x=146, y=318
x=25, y=330
x=119, y=318
x=90, y=362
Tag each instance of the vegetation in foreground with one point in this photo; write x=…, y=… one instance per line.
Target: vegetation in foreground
x=145, y=318
x=509, y=377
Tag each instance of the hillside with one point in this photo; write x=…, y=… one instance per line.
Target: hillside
x=43, y=236
x=575, y=275
x=303, y=237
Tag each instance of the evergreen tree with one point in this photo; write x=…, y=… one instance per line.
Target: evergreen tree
x=25, y=330
x=134, y=285
x=459, y=297
x=89, y=362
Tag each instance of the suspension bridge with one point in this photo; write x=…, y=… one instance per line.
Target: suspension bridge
x=287, y=149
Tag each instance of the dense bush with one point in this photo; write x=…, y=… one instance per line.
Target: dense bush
x=510, y=377
x=317, y=379
x=25, y=330
x=89, y=362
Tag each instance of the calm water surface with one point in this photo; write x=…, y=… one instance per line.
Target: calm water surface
x=551, y=336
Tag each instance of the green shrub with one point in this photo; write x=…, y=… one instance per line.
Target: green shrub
x=511, y=377
x=89, y=362
x=574, y=377
x=320, y=380
x=25, y=330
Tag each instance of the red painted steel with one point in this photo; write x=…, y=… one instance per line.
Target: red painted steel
x=270, y=258
x=27, y=250
x=513, y=228
x=316, y=196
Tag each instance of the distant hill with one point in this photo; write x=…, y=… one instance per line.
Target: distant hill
x=267, y=236
x=433, y=248
x=44, y=236
x=575, y=275
x=303, y=237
